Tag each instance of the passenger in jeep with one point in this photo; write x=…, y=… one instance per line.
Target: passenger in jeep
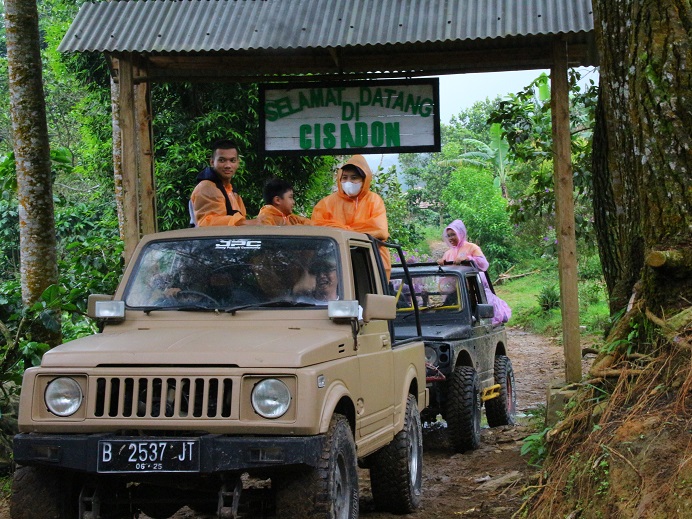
x=279, y=204
x=325, y=285
x=214, y=201
x=460, y=250
x=354, y=206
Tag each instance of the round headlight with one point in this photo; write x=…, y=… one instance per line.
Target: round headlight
x=271, y=398
x=63, y=396
x=430, y=355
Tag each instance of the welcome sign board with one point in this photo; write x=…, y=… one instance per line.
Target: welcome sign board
x=388, y=116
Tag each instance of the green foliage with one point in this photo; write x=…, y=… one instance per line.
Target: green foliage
x=522, y=295
x=471, y=123
x=492, y=155
x=472, y=196
x=526, y=122
x=402, y=228
x=535, y=447
x=549, y=297
x=18, y=350
x=628, y=345
x=599, y=472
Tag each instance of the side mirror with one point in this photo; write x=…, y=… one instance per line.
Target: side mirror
x=101, y=306
x=486, y=311
x=378, y=306
x=342, y=309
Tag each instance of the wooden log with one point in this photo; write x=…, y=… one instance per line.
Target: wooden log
x=667, y=259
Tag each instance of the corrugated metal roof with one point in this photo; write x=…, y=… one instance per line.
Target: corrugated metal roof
x=191, y=26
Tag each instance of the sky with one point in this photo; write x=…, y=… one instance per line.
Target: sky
x=460, y=91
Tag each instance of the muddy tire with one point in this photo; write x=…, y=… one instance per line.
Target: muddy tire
x=463, y=411
x=329, y=491
x=396, y=470
x=503, y=409
x=42, y=493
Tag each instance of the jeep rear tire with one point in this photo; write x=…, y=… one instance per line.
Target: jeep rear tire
x=463, y=412
x=40, y=493
x=503, y=409
x=329, y=491
x=396, y=470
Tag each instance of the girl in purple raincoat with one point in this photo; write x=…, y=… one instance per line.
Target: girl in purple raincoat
x=460, y=250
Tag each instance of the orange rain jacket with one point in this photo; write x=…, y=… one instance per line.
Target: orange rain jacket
x=270, y=215
x=364, y=213
x=210, y=206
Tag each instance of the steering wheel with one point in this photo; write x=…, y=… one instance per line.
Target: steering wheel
x=197, y=294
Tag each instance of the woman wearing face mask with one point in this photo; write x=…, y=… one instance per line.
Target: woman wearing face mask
x=354, y=206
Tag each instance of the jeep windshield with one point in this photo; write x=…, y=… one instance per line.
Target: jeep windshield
x=228, y=274
x=433, y=292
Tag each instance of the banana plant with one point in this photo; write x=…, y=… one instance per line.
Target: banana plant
x=492, y=155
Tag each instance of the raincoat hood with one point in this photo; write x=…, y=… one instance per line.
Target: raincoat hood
x=362, y=165
x=460, y=230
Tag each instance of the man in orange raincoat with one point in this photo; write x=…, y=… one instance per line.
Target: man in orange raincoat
x=354, y=206
x=213, y=200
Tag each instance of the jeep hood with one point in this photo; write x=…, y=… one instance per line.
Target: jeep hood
x=243, y=347
x=435, y=332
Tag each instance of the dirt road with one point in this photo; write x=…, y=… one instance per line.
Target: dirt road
x=483, y=483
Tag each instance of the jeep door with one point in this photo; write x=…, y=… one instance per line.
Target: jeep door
x=375, y=404
x=483, y=336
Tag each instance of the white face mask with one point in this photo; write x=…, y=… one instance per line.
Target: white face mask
x=352, y=188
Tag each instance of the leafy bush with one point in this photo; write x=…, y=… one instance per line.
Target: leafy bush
x=402, y=228
x=589, y=267
x=471, y=195
x=549, y=298
x=535, y=446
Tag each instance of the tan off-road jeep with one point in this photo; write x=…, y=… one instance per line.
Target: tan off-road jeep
x=224, y=352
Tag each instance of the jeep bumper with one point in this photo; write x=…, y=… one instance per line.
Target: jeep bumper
x=217, y=453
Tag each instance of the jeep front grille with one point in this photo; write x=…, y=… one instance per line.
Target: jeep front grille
x=162, y=397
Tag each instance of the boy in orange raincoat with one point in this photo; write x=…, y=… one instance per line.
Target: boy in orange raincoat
x=354, y=206
x=278, y=197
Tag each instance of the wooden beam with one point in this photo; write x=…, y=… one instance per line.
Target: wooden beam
x=145, y=157
x=280, y=66
x=130, y=181
x=564, y=205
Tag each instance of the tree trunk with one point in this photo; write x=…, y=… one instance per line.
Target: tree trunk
x=117, y=151
x=645, y=196
x=37, y=240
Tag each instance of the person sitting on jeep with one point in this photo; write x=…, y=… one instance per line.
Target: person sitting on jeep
x=460, y=250
x=279, y=204
x=214, y=201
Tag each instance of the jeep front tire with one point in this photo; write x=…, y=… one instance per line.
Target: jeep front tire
x=39, y=493
x=329, y=490
x=463, y=413
x=396, y=470
x=503, y=409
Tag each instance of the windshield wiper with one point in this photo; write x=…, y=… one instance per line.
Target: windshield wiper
x=188, y=308
x=269, y=304
x=194, y=308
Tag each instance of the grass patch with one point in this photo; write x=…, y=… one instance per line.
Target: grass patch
x=524, y=295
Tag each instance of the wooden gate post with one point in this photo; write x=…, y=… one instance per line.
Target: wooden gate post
x=564, y=207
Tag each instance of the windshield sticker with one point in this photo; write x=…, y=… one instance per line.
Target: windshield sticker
x=239, y=244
